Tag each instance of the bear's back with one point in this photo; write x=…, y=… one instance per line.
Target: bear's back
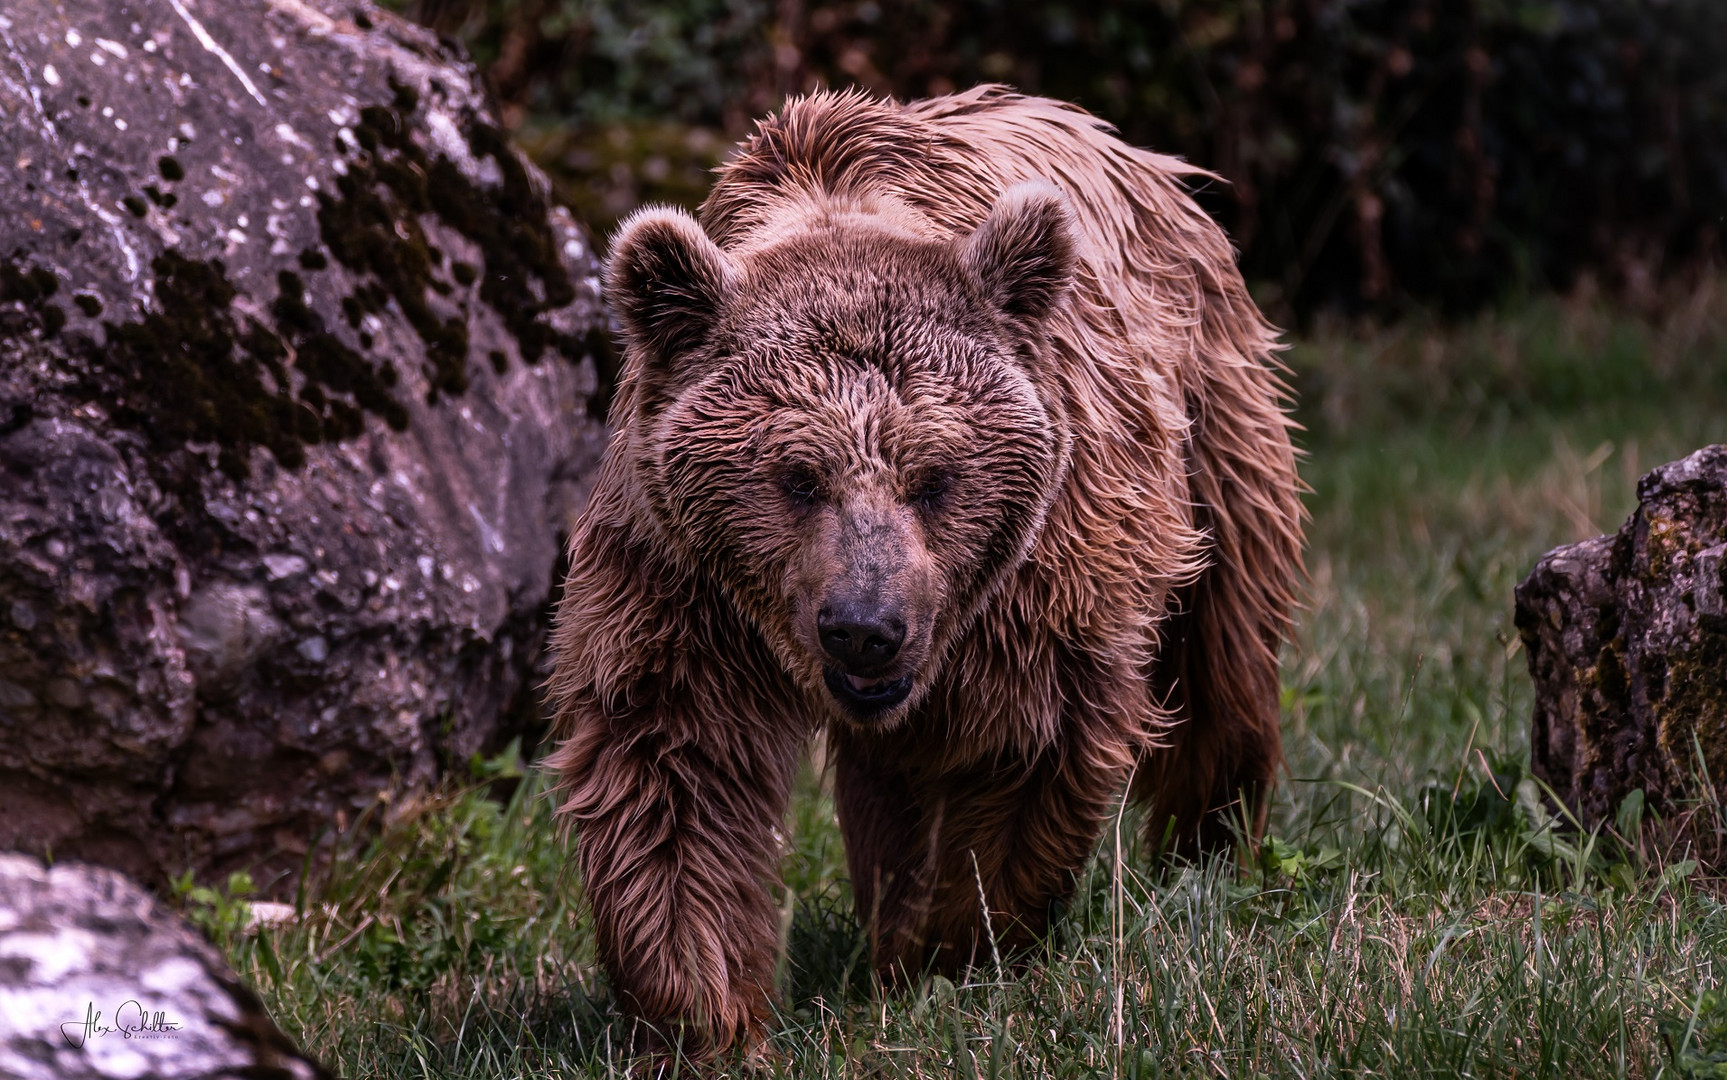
x=1150, y=254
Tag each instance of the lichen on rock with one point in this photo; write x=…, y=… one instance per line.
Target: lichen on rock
x=1627, y=643
x=100, y=981
x=301, y=372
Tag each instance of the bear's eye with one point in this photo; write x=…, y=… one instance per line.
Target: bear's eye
x=928, y=490
x=802, y=486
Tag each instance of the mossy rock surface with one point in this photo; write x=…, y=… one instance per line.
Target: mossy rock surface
x=1627, y=644
x=302, y=374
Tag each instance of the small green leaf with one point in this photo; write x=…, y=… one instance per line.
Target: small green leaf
x=1678, y=872
x=267, y=956
x=1629, y=817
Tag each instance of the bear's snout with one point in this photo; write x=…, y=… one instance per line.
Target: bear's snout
x=863, y=638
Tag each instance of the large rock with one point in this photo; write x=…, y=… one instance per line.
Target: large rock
x=97, y=980
x=1627, y=644
x=298, y=391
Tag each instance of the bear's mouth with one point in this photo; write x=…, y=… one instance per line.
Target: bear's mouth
x=866, y=698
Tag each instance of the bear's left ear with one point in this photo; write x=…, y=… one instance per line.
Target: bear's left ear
x=1024, y=253
x=667, y=282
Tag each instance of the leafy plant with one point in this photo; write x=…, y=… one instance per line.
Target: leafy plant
x=220, y=913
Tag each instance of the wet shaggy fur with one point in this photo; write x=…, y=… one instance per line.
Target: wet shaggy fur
x=981, y=379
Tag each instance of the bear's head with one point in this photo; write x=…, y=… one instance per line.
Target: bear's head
x=843, y=422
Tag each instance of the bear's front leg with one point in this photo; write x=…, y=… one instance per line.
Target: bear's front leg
x=929, y=847
x=675, y=831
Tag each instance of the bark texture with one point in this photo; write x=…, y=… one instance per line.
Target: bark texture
x=300, y=384
x=98, y=980
x=1627, y=644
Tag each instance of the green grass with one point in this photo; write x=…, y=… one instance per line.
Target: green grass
x=1415, y=911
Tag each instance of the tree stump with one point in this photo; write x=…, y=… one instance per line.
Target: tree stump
x=1627, y=644
x=301, y=377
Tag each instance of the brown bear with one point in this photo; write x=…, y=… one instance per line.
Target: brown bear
x=952, y=430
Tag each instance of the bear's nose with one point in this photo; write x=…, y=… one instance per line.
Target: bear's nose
x=862, y=638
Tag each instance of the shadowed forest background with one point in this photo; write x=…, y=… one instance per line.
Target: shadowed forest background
x=1381, y=155
x=1495, y=228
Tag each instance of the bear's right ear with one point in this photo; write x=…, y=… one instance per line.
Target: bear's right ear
x=666, y=280
x=1024, y=254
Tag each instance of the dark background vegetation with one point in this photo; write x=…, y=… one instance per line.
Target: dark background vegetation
x=1381, y=154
